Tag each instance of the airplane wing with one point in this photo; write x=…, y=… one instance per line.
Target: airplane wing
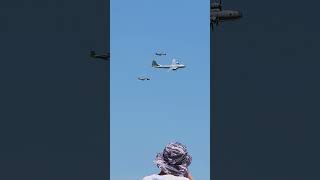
x=172, y=68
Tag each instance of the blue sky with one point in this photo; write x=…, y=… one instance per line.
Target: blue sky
x=173, y=106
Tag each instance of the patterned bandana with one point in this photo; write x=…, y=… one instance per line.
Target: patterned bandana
x=174, y=159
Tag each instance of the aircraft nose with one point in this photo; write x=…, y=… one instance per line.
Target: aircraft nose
x=240, y=14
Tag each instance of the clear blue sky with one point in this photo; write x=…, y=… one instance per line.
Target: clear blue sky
x=173, y=106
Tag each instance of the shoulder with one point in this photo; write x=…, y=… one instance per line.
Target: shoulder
x=151, y=177
x=171, y=177
x=164, y=177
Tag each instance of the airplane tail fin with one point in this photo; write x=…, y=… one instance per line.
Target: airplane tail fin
x=174, y=62
x=154, y=63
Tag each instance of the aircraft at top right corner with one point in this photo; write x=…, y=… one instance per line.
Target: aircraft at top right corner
x=218, y=15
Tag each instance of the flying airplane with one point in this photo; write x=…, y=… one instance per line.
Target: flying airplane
x=142, y=78
x=218, y=15
x=102, y=56
x=160, y=53
x=173, y=66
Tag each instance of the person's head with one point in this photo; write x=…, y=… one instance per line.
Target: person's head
x=174, y=160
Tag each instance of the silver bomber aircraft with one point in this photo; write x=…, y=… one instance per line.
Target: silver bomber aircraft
x=173, y=66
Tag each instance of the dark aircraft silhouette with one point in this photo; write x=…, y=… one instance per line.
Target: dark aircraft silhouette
x=142, y=78
x=102, y=56
x=218, y=15
x=160, y=54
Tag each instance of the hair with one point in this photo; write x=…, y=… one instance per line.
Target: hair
x=174, y=160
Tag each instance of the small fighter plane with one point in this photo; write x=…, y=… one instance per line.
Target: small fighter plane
x=173, y=66
x=102, y=56
x=142, y=78
x=160, y=53
x=218, y=15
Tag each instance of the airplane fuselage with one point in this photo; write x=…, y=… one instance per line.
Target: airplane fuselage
x=225, y=15
x=102, y=56
x=217, y=14
x=173, y=67
x=143, y=78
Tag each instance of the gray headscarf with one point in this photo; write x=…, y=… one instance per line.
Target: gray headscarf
x=174, y=159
